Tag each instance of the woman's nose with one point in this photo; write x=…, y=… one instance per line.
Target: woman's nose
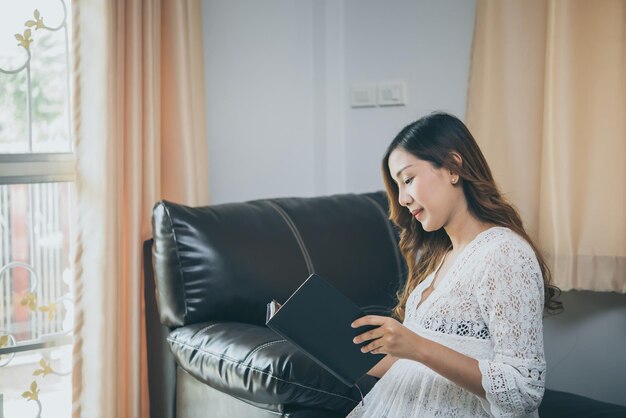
x=404, y=199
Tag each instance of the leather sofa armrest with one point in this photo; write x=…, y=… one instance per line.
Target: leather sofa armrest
x=161, y=363
x=254, y=364
x=557, y=404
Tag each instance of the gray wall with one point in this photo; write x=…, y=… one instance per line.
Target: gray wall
x=586, y=346
x=278, y=73
x=259, y=89
x=425, y=43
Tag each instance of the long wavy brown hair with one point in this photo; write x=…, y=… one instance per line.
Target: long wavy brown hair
x=435, y=138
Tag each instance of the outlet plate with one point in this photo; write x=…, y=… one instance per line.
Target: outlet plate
x=363, y=95
x=392, y=93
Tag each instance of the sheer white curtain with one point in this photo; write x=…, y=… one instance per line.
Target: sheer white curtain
x=547, y=103
x=140, y=137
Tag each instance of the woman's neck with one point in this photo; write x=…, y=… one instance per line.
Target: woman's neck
x=463, y=228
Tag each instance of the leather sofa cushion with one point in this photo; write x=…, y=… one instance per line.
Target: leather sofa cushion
x=558, y=404
x=254, y=364
x=225, y=262
x=196, y=399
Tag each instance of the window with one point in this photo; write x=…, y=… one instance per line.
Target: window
x=36, y=209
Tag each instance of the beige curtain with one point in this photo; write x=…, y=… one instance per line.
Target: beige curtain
x=140, y=137
x=547, y=104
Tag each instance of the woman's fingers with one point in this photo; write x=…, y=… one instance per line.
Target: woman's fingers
x=387, y=337
x=369, y=335
x=374, y=347
x=377, y=337
x=369, y=320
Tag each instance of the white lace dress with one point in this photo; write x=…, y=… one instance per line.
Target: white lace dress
x=488, y=306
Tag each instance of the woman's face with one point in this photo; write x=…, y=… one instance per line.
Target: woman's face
x=427, y=192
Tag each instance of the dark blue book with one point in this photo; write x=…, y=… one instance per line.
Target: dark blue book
x=316, y=318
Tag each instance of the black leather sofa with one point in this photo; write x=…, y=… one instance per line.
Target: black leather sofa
x=215, y=269
x=209, y=273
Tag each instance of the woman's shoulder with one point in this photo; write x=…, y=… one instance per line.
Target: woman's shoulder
x=502, y=245
x=508, y=262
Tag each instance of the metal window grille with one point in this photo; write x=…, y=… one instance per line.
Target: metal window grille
x=36, y=199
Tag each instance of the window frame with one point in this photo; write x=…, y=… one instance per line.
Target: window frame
x=34, y=169
x=37, y=168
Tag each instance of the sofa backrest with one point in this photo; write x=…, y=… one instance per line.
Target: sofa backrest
x=226, y=262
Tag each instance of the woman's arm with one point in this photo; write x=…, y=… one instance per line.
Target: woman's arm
x=397, y=341
x=510, y=298
x=382, y=366
x=459, y=368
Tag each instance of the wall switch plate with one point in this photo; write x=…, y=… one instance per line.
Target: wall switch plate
x=363, y=95
x=392, y=93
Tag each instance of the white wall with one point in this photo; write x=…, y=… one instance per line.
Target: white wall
x=279, y=124
x=586, y=346
x=259, y=88
x=425, y=43
x=277, y=79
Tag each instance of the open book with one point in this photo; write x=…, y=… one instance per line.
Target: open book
x=316, y=318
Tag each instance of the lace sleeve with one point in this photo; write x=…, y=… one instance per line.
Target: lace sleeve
x=510, y=295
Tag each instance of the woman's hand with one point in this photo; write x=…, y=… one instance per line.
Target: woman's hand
x=391, y=337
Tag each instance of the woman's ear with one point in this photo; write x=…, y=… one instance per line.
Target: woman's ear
x=458, y=161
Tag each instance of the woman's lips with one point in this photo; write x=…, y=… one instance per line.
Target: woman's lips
x=417, y=212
